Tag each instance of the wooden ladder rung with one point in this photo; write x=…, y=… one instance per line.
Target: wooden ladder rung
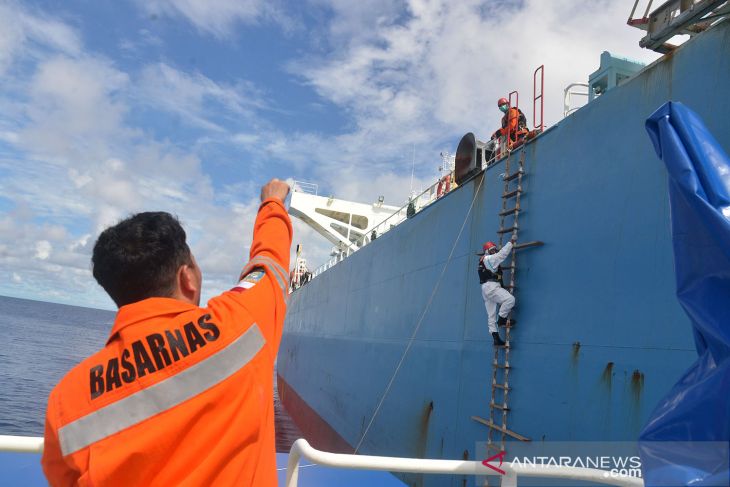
x=501, y=429
x=510, y=177
x=501, y=407
x=492, y=446
x=500, y=366
x=507, y=230
x=534, y=243
x=502, y=386
x=512, y=193
x=510, y=211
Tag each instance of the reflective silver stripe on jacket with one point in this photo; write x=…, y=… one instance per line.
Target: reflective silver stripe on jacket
x=162, y=396
x=280, y=274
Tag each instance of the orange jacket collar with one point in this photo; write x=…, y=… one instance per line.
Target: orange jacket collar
x=146, y=309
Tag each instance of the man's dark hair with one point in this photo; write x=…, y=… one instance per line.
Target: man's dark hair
x=138, y=258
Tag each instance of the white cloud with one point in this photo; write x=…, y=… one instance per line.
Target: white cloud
x=246, y=140
x=219, y=17
x=21, y=32
x=356, y=22
x=43, y=249
x=195, y=97
x=141, y=40
x=8, y=136
x=73, y=98
x=41, y=266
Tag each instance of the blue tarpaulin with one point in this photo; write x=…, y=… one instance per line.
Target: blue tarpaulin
x=685, y=441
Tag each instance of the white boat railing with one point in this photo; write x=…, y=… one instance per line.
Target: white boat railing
x=21, y=444
x=302, y=449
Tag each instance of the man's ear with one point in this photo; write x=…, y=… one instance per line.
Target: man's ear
x=187, y=283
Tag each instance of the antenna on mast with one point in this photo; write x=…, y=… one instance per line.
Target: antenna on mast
x=413, y=166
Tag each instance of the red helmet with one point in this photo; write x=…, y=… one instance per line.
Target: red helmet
x=487, y=246
x=502, y=101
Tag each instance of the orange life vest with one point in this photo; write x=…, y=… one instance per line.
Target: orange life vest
x=514, y=123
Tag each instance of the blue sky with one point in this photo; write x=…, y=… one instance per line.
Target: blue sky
x=189, y=106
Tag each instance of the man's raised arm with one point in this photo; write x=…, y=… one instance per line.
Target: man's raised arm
x=263, y=286
x=272, y=232
x=500, y=256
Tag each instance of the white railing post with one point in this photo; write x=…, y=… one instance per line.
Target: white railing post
x=509, y=480
x=292, y=466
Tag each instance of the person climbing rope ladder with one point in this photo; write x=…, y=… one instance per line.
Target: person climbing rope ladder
x=490, y=278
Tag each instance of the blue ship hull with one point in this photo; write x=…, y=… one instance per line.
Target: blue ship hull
x=601, y=336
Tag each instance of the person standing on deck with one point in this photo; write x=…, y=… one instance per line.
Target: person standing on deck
x=490, y=277
x=514, y=124
x=180, y=394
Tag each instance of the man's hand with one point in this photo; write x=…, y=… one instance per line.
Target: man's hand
x=513, y=239
x=275, y=189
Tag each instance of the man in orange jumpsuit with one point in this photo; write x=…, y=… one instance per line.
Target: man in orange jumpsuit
x=514, y=124
x=180, y=395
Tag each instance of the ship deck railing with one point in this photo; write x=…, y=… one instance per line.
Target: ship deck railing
x=302, y=449
x=419, y=202
x=424, y=199
x=305, y=187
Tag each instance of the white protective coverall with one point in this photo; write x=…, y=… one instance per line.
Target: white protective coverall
x=493, y=293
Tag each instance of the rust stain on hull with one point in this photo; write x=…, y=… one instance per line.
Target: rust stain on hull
x=607, y=376
x=576, y=352
x=637, y=384
x=423, y=424
x=422, y=441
